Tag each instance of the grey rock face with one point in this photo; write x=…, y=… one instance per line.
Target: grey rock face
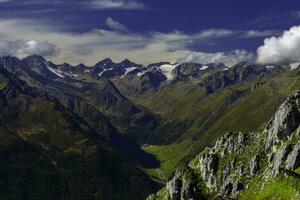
x=285, y=121
x=181, y=187
x=174, y=187
x=279, y=158
x=293, y=160
x=227, y=190
x=219, y=179
x=231, y=143
x=254, y=165
x=208, y=167
x=232, y=188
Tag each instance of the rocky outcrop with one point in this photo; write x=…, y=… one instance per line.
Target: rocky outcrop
x=237, y=158
x=285, y=121
x=219, y=167
x=279, y=158
x=254, y=165
x=183, y=186
x=293, y=160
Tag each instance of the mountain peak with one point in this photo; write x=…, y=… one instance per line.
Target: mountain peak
x=34, y=57
x=126, y=61
x=105, y=61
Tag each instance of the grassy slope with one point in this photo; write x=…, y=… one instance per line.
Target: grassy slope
x=282, y=188
x=168, y=155
x=209, y=117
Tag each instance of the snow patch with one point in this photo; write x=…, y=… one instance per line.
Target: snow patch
x=129, y=69
x=204, y=67
x=270, y=67
x=167, y=71
x=294, y=65
x=141, y=73
x=71, y=74
x=104, y=70
x=57, y=72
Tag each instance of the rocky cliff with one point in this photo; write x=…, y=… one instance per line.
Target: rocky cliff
x=238, y=161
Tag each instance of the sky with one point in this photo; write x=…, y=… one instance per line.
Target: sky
x=148, y=31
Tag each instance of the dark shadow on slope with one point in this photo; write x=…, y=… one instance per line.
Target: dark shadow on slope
x=133, y=151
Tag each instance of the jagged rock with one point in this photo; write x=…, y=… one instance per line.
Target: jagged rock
x=279, y=158
x=285, y=121
x=211, y=181
x=231, y=143
x=228, y=187
x=254, y=165
x=236, y=158
x=174, y=187
x=182, y=187
x=208, y=165
x=241, y=170
x=238, y=186
x=212, y=164
x=232, y=188
x=293, y=160
x=226, y=172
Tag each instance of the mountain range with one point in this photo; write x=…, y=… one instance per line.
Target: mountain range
x=124, y=130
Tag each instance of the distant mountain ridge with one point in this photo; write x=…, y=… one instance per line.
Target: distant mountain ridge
x=156, y=117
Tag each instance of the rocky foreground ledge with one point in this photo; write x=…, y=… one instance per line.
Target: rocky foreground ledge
x=230, y=167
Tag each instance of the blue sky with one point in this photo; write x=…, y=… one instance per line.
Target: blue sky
x=145, y=31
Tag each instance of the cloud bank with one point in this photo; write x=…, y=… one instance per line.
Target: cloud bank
x=118, y=43
x=22, y=49
x=228, y=58
x=282, y=49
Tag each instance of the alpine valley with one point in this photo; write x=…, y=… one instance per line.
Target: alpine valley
x=163, y=131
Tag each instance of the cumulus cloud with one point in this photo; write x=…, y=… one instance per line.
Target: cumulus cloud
x=22, y=49
x=117, y=4
x=228, y=58
x=115, y=25
x=282, y=49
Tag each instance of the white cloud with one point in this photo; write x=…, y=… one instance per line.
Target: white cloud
x=228, y=58
x=97, y=44
x=257, y=33
x=145, y=48
x=117, y=4
x=115, y=25
x=282, y=49
x=215, y=33
x=22, y=49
